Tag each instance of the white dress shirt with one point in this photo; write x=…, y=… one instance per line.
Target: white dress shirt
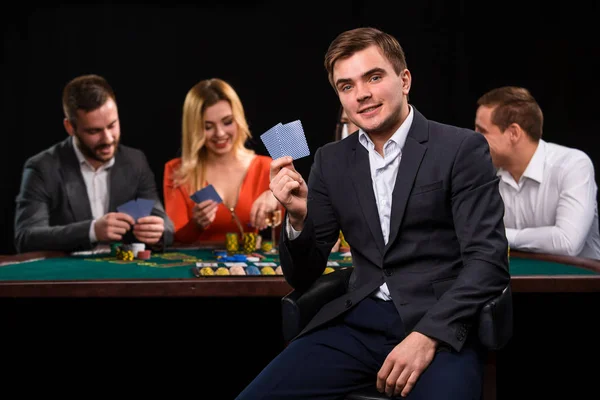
x=384, y=170
x=96, y=183
x=552, y=209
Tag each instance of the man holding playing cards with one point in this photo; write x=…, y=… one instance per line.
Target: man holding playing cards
x=70, y=192
x=419, y=205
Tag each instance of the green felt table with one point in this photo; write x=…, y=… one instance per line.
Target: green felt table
x=170, y=274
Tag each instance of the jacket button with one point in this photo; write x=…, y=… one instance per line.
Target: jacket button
x=388, y=272
x=348, y=303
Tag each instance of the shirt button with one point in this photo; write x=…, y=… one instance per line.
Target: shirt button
x=348, y=303
x=388, y=272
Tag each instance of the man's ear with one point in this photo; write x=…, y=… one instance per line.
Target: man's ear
x=69, y=127
x=515, y=132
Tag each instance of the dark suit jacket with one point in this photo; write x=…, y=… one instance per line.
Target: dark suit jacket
x=447, y=252
x=52, y=208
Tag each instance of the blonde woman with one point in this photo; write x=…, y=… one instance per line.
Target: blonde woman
x=214, y=133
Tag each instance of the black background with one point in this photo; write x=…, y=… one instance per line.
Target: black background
x=272, y=54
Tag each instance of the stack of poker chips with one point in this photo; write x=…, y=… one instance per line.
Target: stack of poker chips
x=344, y=246
x=231, y=242
x=249, y=242
x=124, y=254
x=127, y=252
x=267, y=246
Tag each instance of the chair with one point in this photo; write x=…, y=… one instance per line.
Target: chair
x=494, y=329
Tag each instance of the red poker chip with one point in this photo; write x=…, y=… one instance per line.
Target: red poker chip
x=143, y=254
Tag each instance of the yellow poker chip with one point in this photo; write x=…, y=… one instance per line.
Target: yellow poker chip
x=222, y=271
x=267, y=271
x=207, y=271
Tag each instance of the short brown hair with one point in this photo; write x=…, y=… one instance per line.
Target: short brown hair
x=349, y=42
x=514, y=105
x=87, y=93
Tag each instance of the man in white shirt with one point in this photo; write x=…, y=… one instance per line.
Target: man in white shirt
x=69, y=192
x=549, y=191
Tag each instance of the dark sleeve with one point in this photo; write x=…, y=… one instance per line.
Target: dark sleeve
x=32, y=218
x=478, y=212
x=304, y=259
x=147, y=189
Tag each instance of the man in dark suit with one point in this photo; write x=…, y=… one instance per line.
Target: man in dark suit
x=418, y=203
x=69, y=192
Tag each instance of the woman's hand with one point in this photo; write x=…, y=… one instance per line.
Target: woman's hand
x=262, y=208
x=204, y=213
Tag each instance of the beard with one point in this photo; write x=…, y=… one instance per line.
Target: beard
x=94, y=152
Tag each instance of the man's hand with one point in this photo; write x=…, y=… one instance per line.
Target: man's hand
x=112, y=226
x=149, y=229
x=405, y=363
x=290, y=189
x=262, y=208
x=204, y=213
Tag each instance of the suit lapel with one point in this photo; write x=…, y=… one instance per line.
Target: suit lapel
x=119, y=190
x=75, y=189
x=412, y=155
x=363, y=185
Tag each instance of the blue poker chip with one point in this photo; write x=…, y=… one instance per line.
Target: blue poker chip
x=252, y=270
x=239, y=257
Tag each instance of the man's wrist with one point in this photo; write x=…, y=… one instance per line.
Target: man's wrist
x=296, y=223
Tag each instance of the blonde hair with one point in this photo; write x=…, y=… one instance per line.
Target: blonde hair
x=204, y=94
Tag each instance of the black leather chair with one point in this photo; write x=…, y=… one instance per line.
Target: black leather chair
x=298, y=307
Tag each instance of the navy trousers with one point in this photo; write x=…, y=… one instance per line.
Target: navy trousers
x=346, y=355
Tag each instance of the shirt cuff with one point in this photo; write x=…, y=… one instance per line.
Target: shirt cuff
x=511, y=236
x=291, y=232
x=93, y=238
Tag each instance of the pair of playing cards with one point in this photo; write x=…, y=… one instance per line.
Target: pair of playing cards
x=286, y=140
x=137, y=208
x=206, y=193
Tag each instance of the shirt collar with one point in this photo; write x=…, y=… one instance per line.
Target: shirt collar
x=399, y=137
x=535, y=168
x=82, y=160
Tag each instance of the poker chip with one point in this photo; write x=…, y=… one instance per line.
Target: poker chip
x=137, y=247
x=231, y=242
x=249, y=242
x=144, y=254
x=267, y=271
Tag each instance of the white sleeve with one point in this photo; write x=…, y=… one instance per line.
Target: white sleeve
x=93, y=238
x=574, y=215
x=291, y=232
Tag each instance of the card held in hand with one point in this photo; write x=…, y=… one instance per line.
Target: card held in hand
x=271, y=141
x=206, y=193
x=293, y=140
x=130, y=208
x=137, y=208
x=286, y=140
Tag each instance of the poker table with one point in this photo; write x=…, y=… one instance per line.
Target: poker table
x=158, y=312
x=173, y=273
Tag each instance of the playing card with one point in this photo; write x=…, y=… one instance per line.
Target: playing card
x=272, y=142
x=206, y=193
x=130, y=208
x=286, y=140
x=145, y=207
x=293, y=140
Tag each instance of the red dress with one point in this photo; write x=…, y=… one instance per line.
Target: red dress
x=179, y=205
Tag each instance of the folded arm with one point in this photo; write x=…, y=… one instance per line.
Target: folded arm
x=574, y=215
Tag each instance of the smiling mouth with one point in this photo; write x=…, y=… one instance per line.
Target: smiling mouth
x=369, y=109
